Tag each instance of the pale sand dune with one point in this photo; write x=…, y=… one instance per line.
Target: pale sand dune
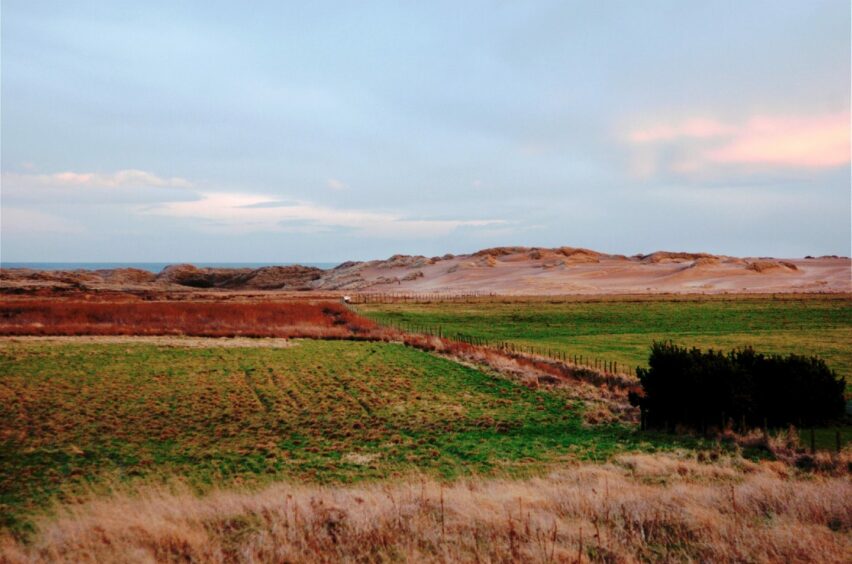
x=505, y=270
x=518, y=273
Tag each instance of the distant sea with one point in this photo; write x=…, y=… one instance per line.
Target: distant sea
x=152, y=266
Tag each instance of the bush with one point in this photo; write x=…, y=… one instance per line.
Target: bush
x=698, y=389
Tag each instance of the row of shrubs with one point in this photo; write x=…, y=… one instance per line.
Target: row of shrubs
x=697, y=389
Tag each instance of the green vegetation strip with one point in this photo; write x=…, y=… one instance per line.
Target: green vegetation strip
x=79, y=418
x=622, y=330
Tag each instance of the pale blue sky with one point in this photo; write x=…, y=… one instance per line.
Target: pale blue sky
x=231, y=131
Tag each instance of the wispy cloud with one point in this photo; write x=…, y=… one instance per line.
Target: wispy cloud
x=145, y=193
x=117, y=179
x=128, y=185
x=697, y=144
x=243, y=212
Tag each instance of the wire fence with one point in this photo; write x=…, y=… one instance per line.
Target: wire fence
x=511, y=347
x=416, y=297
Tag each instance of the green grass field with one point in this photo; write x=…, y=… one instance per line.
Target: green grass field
x=78, y=417
x=622, y=330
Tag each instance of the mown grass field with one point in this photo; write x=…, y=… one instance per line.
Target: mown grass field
x=76, y=418
x=622, y=329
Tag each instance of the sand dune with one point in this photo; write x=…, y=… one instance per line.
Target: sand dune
x=519, y=270
x=501, y=270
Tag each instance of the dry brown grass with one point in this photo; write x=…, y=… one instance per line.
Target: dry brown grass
x=202, y=319
x=787, y=449
x=159, y=340
x=639, y=507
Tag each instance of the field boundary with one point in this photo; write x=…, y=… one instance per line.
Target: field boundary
x=366, y=297
x=606, y=368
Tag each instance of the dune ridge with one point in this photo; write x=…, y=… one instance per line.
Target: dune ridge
x=499, y=270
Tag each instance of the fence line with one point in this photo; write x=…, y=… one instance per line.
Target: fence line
x=578, y=360
x=416, y=297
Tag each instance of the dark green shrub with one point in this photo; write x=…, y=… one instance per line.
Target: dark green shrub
x=699, y=389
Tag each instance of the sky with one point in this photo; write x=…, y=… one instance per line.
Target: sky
x=327, y=131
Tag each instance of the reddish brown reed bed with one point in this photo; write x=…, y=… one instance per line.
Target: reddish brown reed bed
x=203, y=319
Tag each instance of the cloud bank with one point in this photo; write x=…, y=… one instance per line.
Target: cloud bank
x=138, y=193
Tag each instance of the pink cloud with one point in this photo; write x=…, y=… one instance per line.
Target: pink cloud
x=817, y=142
x=786, y=141
x=129, y=177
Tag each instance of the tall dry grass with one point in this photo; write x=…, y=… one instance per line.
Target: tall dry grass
x=200, y=318
x=638, y=507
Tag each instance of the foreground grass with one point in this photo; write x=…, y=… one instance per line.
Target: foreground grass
x=622, y=329
x=81, y=418
x=637, y=507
